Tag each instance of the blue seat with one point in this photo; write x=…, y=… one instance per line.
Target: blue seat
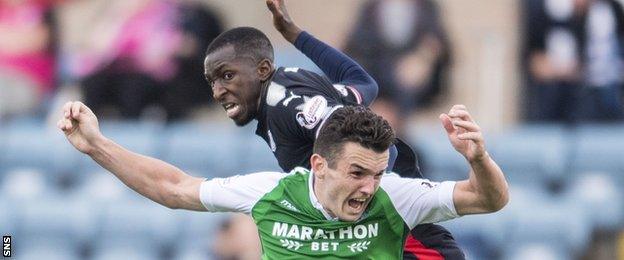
x=552, y=250
x=211, y=150
x=546, y=220
x=257, y=156
x=58, y=219
x=437, y=153
x=596, y=194
x=52, y=249
x=531, y=153
x=140, y=137
x=136, y=220
x=599, y=148
x=136, y=250
x=26, y=184
x=36, y=145
x=199, y=229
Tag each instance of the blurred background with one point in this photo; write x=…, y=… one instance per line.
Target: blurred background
x=542, y=77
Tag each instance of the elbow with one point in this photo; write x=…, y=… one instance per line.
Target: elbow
x=498, y=201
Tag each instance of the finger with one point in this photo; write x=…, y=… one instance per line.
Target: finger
x=75, y=109
x=477, y=137
x=459, y=107
x=272, y=7
x=446, y=122
x=467, y=125
x=66, y=109
x=462, y=114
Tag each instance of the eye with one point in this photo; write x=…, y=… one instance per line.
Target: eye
x=228, y=75
x=357, y=174
x=378, y=175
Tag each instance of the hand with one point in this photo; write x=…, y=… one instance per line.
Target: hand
x=80, y=126
x=282, y=21
x=465, y=135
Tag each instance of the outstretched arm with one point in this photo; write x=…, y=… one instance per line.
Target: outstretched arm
x=336, y=65
x=486, y=189
x=152, y=178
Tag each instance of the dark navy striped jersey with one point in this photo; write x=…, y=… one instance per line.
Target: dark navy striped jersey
x=292, y=110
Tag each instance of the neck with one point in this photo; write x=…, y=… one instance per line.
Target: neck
x=263, y=87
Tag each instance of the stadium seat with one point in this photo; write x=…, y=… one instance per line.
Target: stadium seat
x=142, y=220
x=258, y=156
x=140, y=137
x=211, y=150
x=56, y=219
x=36, y=145
x=542, y=251
x=531, y=153
x=24, y=184
x=49, y=249
x=136, y=250
x=598, y=148
x=547, y=220
x=599, y=195
x=437, y=153
x=198, y=229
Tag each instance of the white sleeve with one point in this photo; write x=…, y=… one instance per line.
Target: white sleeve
x=237, y=193
x=420, y=200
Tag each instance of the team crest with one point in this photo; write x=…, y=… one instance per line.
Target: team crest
x=313, y=112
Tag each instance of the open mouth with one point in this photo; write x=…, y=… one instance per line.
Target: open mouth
x=231, y=109
x=357, y=204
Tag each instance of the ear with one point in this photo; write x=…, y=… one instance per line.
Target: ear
x=318, y=164
x=265, y=68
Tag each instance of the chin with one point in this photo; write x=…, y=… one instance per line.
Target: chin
x=243, y=120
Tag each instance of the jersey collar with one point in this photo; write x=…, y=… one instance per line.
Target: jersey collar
x=314, y=200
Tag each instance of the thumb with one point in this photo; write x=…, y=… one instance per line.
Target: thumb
x=446, y=122
x=272, y=6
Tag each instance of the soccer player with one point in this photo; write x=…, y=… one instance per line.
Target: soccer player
x=345, y=206
x=291, y=104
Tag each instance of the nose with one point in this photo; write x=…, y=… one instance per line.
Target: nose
x=368, y=185
x=218, y=91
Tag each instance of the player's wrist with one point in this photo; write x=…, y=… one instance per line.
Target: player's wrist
x=97, y=145
x=291, y=34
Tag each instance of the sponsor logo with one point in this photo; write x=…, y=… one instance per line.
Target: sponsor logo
x=313, y=112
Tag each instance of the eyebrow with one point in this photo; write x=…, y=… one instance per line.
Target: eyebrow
x=359, y=167
x=213, y=71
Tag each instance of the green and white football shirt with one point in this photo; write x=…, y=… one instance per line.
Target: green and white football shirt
x=293, y=225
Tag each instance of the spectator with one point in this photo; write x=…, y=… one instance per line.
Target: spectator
x=27, y=55
x=238, y=239
x=145, y=53
x=604, y=31
x=554, y=50
x=403, y=45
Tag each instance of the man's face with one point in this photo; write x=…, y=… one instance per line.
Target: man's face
x=346, y=191
x=236, y=84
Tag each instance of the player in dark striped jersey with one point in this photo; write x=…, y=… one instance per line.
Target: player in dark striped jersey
x=291, y=104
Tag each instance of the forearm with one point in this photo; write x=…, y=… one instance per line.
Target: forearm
x=337, y=66
x=150, y=177
x=488, y=183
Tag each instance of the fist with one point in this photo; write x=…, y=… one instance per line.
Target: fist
x=80, y=126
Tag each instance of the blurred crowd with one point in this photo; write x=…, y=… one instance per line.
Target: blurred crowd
x=125, y=59
x=143, y=59
x=133, y=59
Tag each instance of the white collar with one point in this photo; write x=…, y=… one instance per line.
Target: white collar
x=314, y=200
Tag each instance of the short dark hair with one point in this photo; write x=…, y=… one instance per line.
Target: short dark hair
x=356, y=124
x=248, y=42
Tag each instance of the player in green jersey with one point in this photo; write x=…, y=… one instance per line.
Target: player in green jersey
x=344, y=207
